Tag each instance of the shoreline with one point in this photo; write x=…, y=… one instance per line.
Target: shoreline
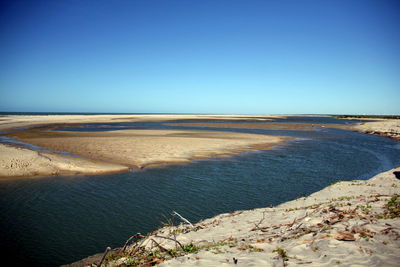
x=345, y=223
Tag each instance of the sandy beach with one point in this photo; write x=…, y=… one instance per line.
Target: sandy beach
x=387, y=128
x=110, y=151
x=352, y=223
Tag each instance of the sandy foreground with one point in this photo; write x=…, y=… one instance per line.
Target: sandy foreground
x=354, y=223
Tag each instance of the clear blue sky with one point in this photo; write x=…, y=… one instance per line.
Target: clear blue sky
x=250, y=57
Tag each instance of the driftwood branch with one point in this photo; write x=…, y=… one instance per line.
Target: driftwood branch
x=158, y=245
x=172, y=239
x=104, y=256
x=137, y=235
x=182, y=218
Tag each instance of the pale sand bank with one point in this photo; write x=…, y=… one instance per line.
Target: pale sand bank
x=352, y=223
x=20, y=162
x=104, y=152
x=144, y=148
x=388, y=128
x=14, y=121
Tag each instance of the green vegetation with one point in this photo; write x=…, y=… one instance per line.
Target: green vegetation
x=392, y=207
x=367, y=116
x=281, y=253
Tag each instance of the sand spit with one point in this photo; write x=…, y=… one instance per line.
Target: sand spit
x=15, y=121
x=388, y=128
x=149, y=148
x=353, y=223
x=104, y=152
x=267, y=125
x=20, y=162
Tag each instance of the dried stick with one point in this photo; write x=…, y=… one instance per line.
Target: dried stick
x=158, y=245
x=137, y=235
x=183, y=219
x=104, y=256
x=170, y=238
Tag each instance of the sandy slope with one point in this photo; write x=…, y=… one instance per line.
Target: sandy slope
x=345, y=224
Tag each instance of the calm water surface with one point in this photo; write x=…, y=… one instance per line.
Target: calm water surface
x=57, y=220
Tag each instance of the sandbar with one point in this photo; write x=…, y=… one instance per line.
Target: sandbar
x=146, y=148
x=121, y=150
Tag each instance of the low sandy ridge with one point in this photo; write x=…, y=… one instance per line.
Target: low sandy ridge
x=144, y=148
x=111, y=151
x=354, y=223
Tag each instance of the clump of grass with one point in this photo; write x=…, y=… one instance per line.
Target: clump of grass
x=281, y=253
x=392, y=207
x=190, y=248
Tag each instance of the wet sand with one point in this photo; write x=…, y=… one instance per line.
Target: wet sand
x=266, y=125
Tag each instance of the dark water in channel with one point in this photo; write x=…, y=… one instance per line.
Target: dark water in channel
x=58, y=220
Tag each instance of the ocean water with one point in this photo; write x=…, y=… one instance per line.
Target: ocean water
x=57, y=220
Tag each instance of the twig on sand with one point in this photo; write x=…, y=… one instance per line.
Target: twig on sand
x=257, y=225
x=170, y=238
x=182, y=218
x=158, y=245
x=137, y=235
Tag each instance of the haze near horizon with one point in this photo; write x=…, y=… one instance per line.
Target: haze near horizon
x=249, y=57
